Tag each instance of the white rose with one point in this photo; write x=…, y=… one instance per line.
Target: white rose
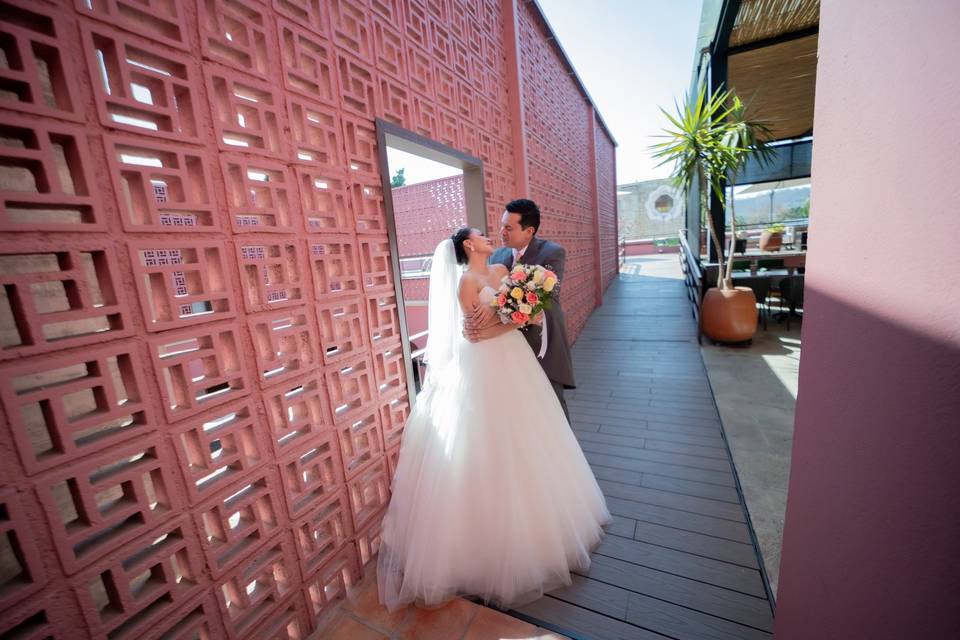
x=525, y=308
x=531, y=285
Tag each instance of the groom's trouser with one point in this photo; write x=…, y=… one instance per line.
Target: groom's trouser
x=558, y=389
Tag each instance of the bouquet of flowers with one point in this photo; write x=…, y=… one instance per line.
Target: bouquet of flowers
x=524, y=293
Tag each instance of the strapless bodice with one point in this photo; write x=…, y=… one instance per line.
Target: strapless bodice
x=488, y=294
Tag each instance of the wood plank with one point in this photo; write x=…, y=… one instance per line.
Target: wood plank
x=583, y=622
x=692, y=504
x=690, y=488
x=676, y=459
x=656, y=468
x=679, y=563
x=696, y=523
x=703, y=545
x=724, y=603
x=679, y=622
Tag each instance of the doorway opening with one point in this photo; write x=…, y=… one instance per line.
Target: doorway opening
x=430, y=191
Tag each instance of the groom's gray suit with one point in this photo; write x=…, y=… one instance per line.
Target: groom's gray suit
x=557, y=362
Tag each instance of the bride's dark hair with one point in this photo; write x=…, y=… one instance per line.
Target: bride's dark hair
x=463, y=233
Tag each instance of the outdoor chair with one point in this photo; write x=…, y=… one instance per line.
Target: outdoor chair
x=791, y=292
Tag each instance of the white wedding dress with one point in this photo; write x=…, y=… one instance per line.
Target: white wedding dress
x=492, y=496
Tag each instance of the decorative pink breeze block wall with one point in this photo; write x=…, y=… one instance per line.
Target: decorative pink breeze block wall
x=200, y=366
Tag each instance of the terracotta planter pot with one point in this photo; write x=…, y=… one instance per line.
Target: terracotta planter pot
x=730, y=315
x=770, y=241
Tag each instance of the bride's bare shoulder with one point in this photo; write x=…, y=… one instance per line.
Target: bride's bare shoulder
x=499, y=270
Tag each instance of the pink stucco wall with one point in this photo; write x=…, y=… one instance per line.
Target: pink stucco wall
x=872, y=526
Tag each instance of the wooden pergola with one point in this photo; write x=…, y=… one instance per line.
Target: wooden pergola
x=765, y=51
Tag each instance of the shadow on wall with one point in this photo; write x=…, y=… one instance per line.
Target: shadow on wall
x=872, y=500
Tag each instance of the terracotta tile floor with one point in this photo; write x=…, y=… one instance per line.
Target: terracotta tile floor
x=362, y=617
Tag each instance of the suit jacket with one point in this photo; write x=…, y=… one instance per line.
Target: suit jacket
x=557, y=362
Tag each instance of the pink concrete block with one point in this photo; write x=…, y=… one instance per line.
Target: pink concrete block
x=332, y=581
x=384, y=319
x=272, y=273
x=343, y=332
x=198, y=368
x=61, y=299
x=39, y=38
x=238, y=34
x=316, y=134
x=51, y=615
x=336, y=268
x=376, y=264
x=285, y=343
x=350, y=29
x=394, y=412
x=49, y=182
x=357, y=80
x=361, y=443
x=289, y=621
x=420, y=74
x=324, y=530
x=107, y=500
x=308, y=13
x=182, y=283
x=142, y=583
x=248, y=594
x=261, y=196
x=297, y=411
x=368, y=540
x=198, y=620
x=142, y=87
x=241, y=517
x=360, y=141
x=247, y=113
x=309, y=63
x=23, y=568
x=325, y=200
x=367, y=199
x=161, y=187
x=350, y=386
x=311, y=472
x=159, y=20
x=217, y=447
x=388, y=44
x=62, y=409
x=394, y=101
x=393, y=457
x=369, y=493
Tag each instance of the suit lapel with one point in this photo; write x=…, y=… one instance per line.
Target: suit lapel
x=532, y=253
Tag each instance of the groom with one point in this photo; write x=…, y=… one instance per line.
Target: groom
x=518, y=232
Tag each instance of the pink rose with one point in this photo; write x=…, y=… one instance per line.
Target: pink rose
x=519, y=276
x=519, y=317
x=502, y=299
x=532, y=298
x=549, y=274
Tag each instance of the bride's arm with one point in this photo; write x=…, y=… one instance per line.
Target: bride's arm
x=469, y=296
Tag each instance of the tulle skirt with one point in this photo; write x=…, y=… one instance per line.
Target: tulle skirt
x=492, y=496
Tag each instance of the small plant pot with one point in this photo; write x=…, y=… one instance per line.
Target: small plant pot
x=771, y=241
x=729, y=315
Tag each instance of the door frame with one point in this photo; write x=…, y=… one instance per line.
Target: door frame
x=474, y=197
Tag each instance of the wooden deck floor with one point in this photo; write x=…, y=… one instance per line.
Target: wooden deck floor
x=678, y=561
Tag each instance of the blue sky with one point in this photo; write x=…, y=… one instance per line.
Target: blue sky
x=633, y=56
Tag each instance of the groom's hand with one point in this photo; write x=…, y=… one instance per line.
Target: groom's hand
x=483, y=315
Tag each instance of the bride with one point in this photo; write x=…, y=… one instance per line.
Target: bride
x=492, y=496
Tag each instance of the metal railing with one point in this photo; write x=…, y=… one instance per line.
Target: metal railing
x=692, y=278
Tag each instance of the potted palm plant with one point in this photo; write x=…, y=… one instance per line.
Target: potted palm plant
x=709, y=143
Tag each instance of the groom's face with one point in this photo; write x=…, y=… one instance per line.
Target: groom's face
x=512, y=235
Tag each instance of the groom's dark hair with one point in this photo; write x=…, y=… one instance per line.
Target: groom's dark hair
x=529, y=213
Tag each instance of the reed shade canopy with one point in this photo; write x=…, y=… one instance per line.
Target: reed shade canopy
x=772, y=63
